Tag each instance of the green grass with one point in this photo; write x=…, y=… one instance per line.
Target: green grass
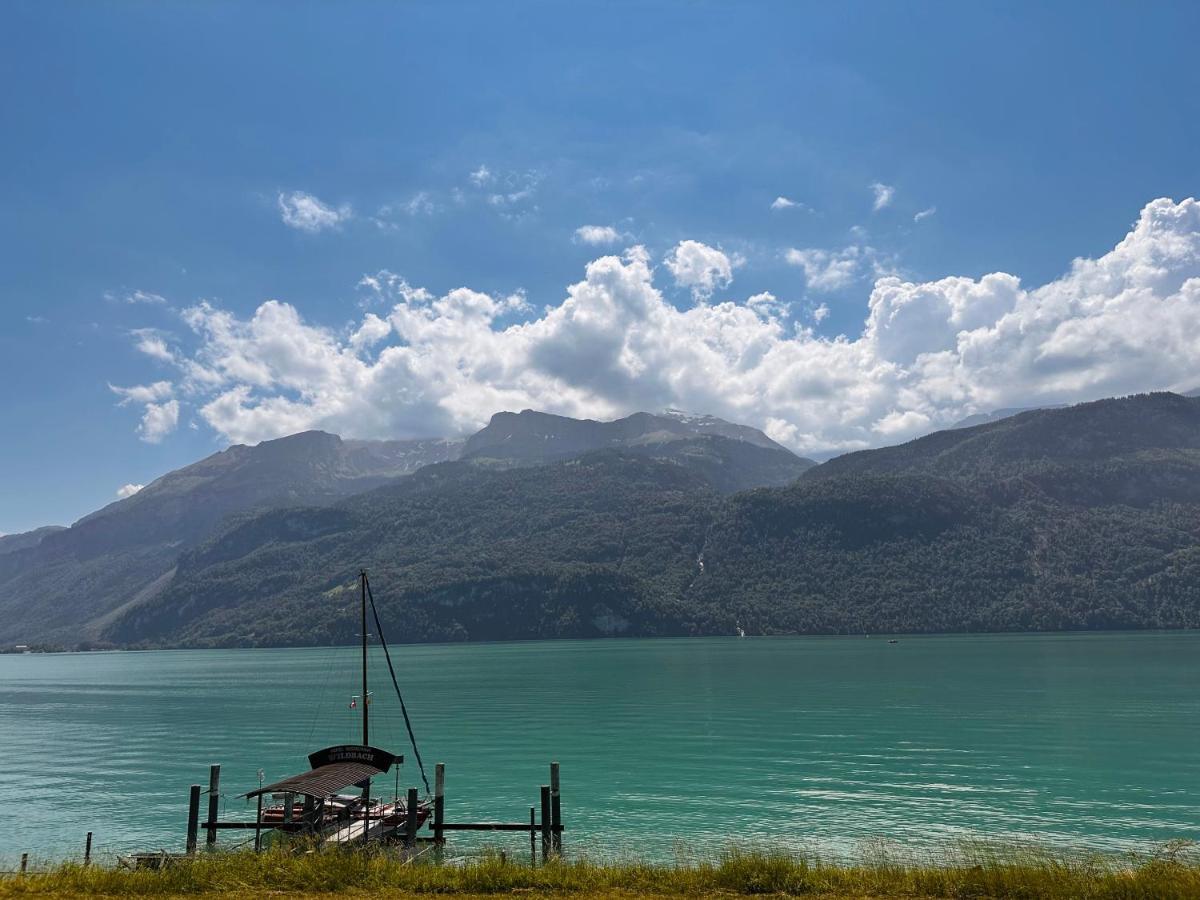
x=1174, y=872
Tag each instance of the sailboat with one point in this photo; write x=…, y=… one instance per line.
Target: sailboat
x=333, y=798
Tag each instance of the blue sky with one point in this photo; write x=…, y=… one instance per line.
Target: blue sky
x=154, y=154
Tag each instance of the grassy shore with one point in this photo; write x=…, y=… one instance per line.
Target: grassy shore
x=1171, y=873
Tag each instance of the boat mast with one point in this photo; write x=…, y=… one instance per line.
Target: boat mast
x=365, y=702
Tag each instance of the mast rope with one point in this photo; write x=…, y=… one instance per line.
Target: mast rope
x=392, y=671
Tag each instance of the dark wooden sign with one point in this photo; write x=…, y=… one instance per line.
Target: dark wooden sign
x=359, y=753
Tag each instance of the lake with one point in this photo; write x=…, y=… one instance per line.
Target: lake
x=666, y=746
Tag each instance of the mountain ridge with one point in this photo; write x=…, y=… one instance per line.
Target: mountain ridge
x=126, y=552
x=1104, y=532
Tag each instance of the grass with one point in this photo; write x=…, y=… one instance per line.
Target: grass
x=1174, y=872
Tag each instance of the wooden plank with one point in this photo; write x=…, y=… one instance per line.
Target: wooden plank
x=490, y=826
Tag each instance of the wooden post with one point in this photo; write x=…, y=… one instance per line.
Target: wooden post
x=366, y=797
x=24, y=862
x=258, y=826
x=555, y=810
x=214, y=799
x=439, y=801
x=532, y=836
x=545, y=822
x=193, y=823
x=410, y=823
x=87, y=850
x=288, y=799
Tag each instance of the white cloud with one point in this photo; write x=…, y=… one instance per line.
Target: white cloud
x=146, y=298
x=782, y=202
x=596, y=235
x=924, y=214
x=159, y=420
x=928, y=353
x=143, y=393
x=152, y=343
x=305, y=212
x=821, y=313
x=700, y=267
x=480, y=176
x=128, y=490
x=883, y=195
x=832, y=270
x=160, y=412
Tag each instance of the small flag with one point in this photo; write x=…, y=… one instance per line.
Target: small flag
x=354, y=702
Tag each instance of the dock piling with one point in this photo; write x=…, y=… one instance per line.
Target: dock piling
x=410, y=822
x=439, y=801
x=87, y=850
x=24, y=862
x=258, y=826
x=532, y=836
x=193, y=820
x=214, y=797
x=545, y=822
x=555, y=810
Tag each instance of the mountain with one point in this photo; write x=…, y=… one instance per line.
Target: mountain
x=529, y=437
x=68, y=584
x=1103, y=431
x=602, y=544
x=10, y=543
x=73, y=585
x=995, y=415
x=1087, y=517
x=734, y=457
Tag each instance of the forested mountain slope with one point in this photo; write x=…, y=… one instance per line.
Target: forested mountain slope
x=603, y=544
x=63, y=586
x=1087, y=517
x=1096, y=432
x=72, y=584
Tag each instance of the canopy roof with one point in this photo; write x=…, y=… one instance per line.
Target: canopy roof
x=334, y=769
x=323, y=781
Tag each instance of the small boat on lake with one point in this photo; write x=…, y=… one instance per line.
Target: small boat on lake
x=320, y=802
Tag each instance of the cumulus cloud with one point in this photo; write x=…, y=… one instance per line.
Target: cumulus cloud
x=928, y=353
x=305, y=212
x=480, y=176
x=925, y=214
x=159, y=420
x=597, y=234
x=883, y=195
x=128, y=490
x=160, y=409
x=832, y=270
x=700, y=267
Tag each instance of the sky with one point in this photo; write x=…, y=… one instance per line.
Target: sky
x=846, y=224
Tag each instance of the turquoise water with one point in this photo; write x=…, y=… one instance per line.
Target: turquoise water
x=1074, y=740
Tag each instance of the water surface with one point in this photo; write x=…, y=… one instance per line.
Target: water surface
x=1083, y=741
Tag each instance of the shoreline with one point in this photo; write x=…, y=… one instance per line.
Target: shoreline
x=1171, y=872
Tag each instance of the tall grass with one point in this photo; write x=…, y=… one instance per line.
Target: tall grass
x=1172, y=873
